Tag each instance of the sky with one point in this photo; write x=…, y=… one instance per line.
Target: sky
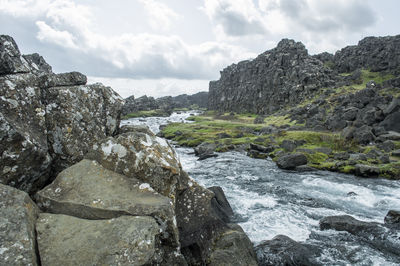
x=171, y=47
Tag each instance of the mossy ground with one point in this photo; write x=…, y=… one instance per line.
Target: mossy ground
x=230, y=130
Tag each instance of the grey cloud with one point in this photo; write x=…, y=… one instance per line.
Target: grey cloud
x=236, y=24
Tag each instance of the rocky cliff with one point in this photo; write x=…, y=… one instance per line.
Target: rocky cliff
x=101, y=194
x=279, y=77
x=287, y=75
x=167, y=103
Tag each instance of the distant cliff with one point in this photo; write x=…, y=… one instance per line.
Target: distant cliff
x=167, y=103
x=287, y=75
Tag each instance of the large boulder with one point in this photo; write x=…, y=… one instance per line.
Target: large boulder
x=18, y=215
x=125, y=240
x=77, y=117
x=364, y=135
x=63, y=79
x=87, y=190
x=37, y=63
x=11, y=60
x=205, y=150
x=282, y=250
x=291, y=161
x=232, y=247
x=25, y=159
x=143, y=156
x=392, y=122
x=392, y=218
x=377, y=235
x=198, y=222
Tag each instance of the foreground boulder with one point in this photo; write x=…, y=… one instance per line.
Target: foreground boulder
x=125, y=240
x=282, y=250
x=18, y=215
x=49, y=121
x=77, y=117
x=142, y=156
x=89, y=191
x=24, y=156
x=291, y=161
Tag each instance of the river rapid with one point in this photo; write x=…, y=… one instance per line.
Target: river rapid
x=268, y=201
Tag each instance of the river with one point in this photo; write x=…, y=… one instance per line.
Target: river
x=268, y=201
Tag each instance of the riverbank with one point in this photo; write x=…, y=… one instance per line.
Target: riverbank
x=279, y=136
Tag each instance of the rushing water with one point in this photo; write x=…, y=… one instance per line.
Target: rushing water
x=268, y=201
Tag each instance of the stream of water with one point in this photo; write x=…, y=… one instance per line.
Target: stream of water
x=268, y=201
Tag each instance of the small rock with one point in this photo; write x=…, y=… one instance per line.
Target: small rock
x=393, y=218
x=386, y=146
x=366, y=170
x=288, y=145
x=290, y=161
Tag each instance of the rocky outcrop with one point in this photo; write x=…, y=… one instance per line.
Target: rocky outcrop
x=143, y=156
x=49, y=120
x=375, y=53
x=280, y=77
x=18, y=215
x=166, y=104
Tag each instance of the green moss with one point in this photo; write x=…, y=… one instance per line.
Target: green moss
x=390, y=170
x=347, y=169
x=316, y=158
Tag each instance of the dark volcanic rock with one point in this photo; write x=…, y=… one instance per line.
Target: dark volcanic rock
x=11, y=60
x=375, y=53
x=284, y=251
x=221, y=204
x=279, y=77
x=382, y=237
x=290, y=161
x=205, y=150
x=44, y=129
x=393, y=218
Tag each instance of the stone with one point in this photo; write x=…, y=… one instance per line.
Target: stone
x=290, y=161
x=146, y=157
x=223, y=136
x=205, y=150
x=24, y=154
x=268, y=130
x=261, y=148
x=288, y=145
x=392, y=218
x=396, y=153
x=232, y=247
x=363, y=135
x=221, y=204
x=259, y=119
x=89, y=191
x=63, y=79
x=257, y=154
x=198, y=222
x=282, y=250
x=350, y=113
x=342, y=156
x=11, y=61
x=18, y=215
x=380, y=236
x=37, y=63
x=391, y=135
x=348, y=132
x=392, y=122
x=135, y=128
x=394, y=106
x=124, y=240
x=366, y=170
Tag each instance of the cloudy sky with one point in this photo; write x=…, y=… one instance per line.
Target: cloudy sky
x=170, y=47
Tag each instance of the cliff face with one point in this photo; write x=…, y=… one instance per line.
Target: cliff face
x=167, y=103
x=287, y=75
x=374, y=53
x=282, y=76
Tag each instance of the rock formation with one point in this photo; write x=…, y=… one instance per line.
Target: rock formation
x=167, y=103
x=104, y=195
x=279, y=77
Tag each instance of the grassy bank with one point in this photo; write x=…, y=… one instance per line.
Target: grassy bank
x=324, y=150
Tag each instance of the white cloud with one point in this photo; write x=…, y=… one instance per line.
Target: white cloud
x=160, y=15
x=235, y=18
x=62, y=38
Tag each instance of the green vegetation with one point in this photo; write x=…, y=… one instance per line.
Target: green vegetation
x=230, y=130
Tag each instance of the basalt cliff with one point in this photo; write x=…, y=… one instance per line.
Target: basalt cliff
x=78, y=189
